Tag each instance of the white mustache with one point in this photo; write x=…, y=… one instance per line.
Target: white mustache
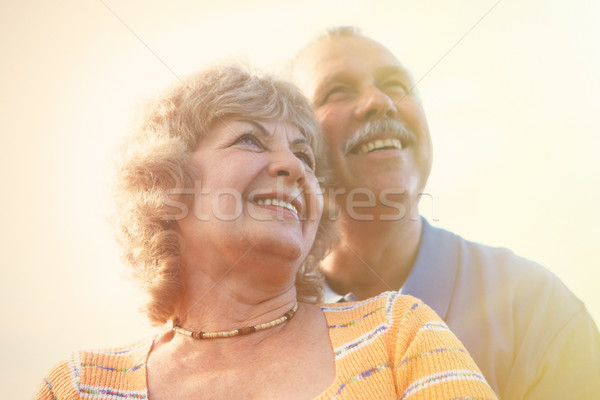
x=373, y=129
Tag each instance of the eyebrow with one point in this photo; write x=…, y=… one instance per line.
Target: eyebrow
x=395, y=70
x=392, y=69
x=301, y=141
x=263, y=131
x=328, y=79
x=346, y=76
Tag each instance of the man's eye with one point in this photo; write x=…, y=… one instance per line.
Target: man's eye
x=396, y=86
x=337, y=93
x=306, y=159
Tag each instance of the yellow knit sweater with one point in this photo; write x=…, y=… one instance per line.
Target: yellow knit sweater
x=387, y=347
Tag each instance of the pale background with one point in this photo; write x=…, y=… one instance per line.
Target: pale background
x=513, y=110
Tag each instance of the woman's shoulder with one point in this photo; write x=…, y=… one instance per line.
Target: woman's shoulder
x=400, y=334
x=100, y=373
x=391, y=302
x=389, y=313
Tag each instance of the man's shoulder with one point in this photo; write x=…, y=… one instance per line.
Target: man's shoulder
x=501, y=274
x=514, y=316
x=468, y=269
x=480, y=259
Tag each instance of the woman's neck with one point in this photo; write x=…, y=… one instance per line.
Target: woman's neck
x=228, y=291
x=217, y=309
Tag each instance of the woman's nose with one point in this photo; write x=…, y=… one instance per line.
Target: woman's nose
x=286, y=164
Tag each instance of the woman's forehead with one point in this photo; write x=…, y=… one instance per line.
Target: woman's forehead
x=267, y=127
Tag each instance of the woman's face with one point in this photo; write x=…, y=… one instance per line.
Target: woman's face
x=256, y=189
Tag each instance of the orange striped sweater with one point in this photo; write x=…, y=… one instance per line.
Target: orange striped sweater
x=387, y=347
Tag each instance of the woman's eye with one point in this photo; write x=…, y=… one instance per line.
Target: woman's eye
x=249, y=139
x=306, y=159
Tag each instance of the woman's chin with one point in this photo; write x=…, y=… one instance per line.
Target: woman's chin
x=272, y=239
x=287, y=250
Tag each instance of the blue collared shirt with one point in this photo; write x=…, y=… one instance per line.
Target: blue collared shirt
x=530, y=336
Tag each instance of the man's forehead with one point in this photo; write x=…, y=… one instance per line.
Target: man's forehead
x=342, y=58
x=347, y=72
x=345, y=47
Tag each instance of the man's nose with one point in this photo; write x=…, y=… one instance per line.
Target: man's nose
x=374, y=104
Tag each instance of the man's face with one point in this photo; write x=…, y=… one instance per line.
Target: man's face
x=374, y=125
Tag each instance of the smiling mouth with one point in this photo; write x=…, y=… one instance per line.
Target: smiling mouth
x=277, y=203
x=375, y=145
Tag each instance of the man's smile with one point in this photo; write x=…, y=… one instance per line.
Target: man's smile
x=375, y=145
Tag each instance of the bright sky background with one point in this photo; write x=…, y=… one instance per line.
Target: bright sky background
x=512, y=101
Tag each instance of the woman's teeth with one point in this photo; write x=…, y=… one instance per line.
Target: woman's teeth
x=277, y=203
x=379, y=145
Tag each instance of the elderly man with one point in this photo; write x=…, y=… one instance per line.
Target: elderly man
x=531, y=337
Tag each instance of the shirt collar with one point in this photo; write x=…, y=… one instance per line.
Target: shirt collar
x=329, y=296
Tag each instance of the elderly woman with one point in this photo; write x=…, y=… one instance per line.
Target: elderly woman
x=220, y=218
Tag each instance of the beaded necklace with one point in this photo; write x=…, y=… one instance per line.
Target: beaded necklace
x=237, y=332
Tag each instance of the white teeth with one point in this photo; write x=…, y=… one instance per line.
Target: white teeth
x=277, y=203
x=379, y=144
